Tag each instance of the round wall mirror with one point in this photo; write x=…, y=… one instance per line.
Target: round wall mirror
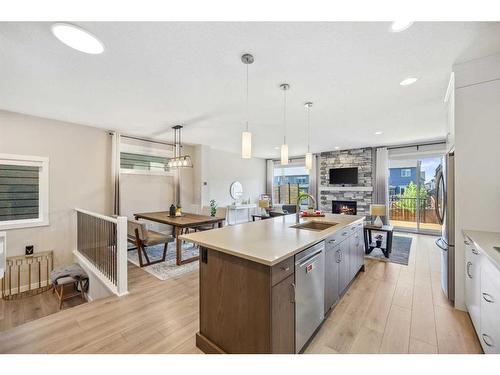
x=236, y=190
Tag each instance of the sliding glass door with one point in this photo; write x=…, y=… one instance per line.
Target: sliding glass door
x=412, y=191
x=289, y=181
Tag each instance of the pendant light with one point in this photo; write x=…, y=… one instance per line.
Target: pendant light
x=246, y=136
x=284, y=147
x=309, y=155
x=179, y=160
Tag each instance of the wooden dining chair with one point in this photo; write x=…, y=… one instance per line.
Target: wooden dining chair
x=142, y=237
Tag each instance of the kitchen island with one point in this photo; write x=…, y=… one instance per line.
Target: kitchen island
x=266, y=286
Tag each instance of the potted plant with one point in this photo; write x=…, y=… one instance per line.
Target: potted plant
x=213, y=207
x=378, y=240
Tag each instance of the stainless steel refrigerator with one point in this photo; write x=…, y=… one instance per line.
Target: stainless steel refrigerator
x=445, y=212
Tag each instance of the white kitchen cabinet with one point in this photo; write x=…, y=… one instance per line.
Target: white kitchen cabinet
x=490, y=307
x=473, y=282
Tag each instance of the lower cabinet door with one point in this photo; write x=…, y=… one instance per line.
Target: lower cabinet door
x=283, y=316
x=332, y=260
x=490, y=307
x=361, y=248
x=473, y=283
x=344, y=268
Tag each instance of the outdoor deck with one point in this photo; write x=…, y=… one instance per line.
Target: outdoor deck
x=413, y=225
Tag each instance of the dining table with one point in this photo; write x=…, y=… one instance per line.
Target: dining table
x=186, y=220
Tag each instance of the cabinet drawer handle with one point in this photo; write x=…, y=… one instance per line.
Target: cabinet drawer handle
x=286, y=269
x=331, y=241
x=474, y=251
x=468, y=270
x=488, y=298
x=344, y=234
x=466, y=242
x=487, y=338
x=293, y=293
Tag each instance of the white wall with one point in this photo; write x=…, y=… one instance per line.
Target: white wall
x=79, y=176
x=218, y=169
x=477, y=155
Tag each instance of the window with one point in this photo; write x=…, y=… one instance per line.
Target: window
x=143, y=162
x=24, y=191
x=289, y=181
x=406, y=172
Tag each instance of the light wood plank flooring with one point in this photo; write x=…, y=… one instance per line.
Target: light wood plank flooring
x=16, y=312
x=388, y=309
x=392, y=308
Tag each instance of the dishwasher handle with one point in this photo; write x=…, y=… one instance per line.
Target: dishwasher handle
x=310, y=257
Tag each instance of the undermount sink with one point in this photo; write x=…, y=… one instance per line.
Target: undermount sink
x=314, y=225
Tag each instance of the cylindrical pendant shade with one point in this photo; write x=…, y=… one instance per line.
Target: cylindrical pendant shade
x=284, y=154
x=309, y=160
x=246, y=145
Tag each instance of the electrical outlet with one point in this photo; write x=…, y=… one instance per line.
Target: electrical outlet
x=29, y=250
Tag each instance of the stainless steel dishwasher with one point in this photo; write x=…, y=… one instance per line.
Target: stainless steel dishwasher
x=309, y=293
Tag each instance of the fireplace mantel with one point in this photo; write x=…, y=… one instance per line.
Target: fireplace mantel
x=346, y=188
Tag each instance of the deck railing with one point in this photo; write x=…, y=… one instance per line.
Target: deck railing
x=102, y=246
x=407, y=209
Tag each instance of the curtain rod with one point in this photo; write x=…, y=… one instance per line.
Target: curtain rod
x=416, y=145
x=147, y=140
x=375, y=147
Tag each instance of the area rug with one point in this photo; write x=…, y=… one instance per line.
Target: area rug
x=400, y=251
x=167, y=269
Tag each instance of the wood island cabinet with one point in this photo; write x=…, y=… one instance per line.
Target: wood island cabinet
x=248, y=307
x=245, y=307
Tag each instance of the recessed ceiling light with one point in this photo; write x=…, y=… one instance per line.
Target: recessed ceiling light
x=77, y=38
x=276, y=148
x=398, y=26
x=378, y=132
x=337, y=147
x=408, y=81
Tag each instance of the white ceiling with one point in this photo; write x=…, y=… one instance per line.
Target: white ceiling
x=154, y=75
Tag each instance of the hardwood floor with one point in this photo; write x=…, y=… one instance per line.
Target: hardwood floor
x=398, y=309
x=388, y=309
x=16, y=312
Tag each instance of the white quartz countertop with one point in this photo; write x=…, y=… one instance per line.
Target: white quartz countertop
x=486, y=241
x=269, y=241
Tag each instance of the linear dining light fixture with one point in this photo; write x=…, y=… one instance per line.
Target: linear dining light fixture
x=179, y=160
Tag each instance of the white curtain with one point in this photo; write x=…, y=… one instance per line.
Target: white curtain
x=115, y=171
x=313, y=180
x=381, y=195
x=269, y=178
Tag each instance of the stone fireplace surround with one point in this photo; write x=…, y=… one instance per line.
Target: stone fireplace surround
x=361, y=193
